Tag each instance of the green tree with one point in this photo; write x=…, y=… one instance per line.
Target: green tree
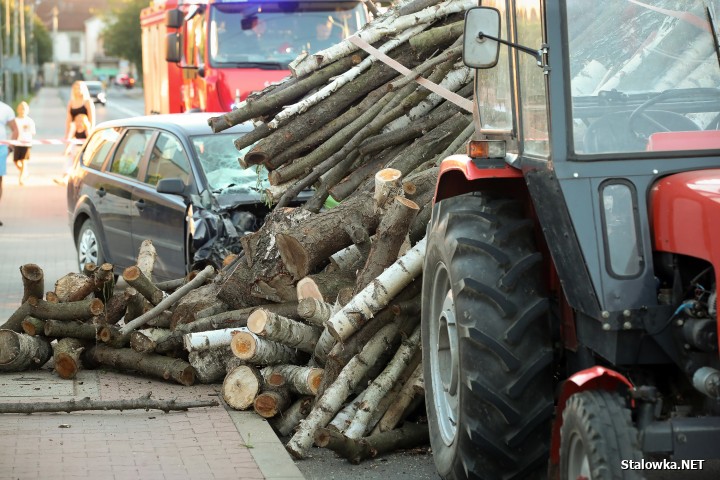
x=40, y=45
x=122, y=32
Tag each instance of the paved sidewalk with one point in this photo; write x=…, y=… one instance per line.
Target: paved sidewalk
x=202, y=443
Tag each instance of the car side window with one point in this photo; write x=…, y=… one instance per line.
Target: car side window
x=130, y=152
x=98, y=147
x=167, y=160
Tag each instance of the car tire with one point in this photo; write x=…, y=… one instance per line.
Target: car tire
x=487, y=352
x=88, y=246
x=597, y=434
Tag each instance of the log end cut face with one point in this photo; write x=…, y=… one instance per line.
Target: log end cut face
x=66, y=366
x=240, y=387
x=9, y=346
x=243, y=345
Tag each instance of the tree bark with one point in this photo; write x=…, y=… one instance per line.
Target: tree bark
x=150, y=364
x=79, y=310
x=398, y=408
x=291, y=417
x=115, y=307
x=256, y=350
x=333, y=398
x=358, y=175
x=33, y=326
x=241, y=386
x=301, y=380
x=146, y=259
x=197, y=341
x=355, y=451
x=73, y=287
x=315, y=312
x=390, y=235
x=342, y=420
x=104, y=278
x=210, y=365
x=112, y=336
x=438, y=36
x=382, y=385
x=143, y=403
x=71, y=329
x=66, y=356
x=136, y=278
x=302, y=249
x=283, y=330
x=377, y=294
x=254, y=108
x=269, y=403
x=33, y=280
x=169, y=300
x=145, y=341
x=20, y=352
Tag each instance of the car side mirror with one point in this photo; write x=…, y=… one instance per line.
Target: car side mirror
x=174, y=18
x=479, y=51
x=173, y=186
x=173, y=52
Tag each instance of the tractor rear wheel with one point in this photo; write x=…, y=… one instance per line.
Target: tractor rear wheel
x=487, y=353
x=597, y=433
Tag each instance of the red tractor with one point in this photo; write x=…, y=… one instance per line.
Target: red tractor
x=570, y=323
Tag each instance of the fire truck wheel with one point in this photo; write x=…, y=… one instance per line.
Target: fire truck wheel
x=597, y=434
x=487, y=354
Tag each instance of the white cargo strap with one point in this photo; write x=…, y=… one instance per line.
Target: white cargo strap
x=453, y=97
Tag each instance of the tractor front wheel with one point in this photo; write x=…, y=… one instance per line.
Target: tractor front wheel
x=487, y=352
x=597, y=434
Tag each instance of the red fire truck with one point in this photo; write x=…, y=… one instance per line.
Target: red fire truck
x=207, y=55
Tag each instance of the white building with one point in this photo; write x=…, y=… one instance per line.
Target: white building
x=75, y=27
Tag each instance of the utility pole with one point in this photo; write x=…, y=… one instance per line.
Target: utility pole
x=8, y=77
x=23, y=50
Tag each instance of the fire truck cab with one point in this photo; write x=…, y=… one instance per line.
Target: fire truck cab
x=208, y=55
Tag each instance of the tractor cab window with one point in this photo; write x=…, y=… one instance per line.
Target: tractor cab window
x=644, y=76
x=531, y=79
x=493, y=87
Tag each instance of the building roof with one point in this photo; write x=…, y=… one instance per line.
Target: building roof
x=72, y=14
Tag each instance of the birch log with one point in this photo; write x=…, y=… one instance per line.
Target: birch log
x=378, y=293
x=210, y=365
x=344, y=417
x=332, y=400
x=283, y=330
x=146, y=258
x=20, y=352
x=269, y=403
x=301, y=380
x=394, y=414
x=382, y=384
x=241, y=386
x=375, y=32
x=197, y=341
x=291, y=417
x=315, y=312
x=256, y=350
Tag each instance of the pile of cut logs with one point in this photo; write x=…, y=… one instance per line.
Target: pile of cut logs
x=316, y=324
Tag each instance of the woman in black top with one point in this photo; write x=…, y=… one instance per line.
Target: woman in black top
x=80, y=104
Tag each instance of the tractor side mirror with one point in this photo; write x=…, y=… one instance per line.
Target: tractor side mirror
x=174, y=18
x=479, y=51
x=173, y=52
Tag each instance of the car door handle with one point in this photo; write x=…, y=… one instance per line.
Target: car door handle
x=140, y=204
x=101, y=192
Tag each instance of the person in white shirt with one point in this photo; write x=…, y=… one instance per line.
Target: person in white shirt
x=7, y=121
x=26, y=130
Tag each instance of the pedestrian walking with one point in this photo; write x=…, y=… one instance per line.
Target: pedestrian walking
x=80, y=103
x=7, y=121
x=80, y=131
x=25, y=131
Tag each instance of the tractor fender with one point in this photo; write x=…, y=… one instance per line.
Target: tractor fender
x=594, y=378
x=459, y=174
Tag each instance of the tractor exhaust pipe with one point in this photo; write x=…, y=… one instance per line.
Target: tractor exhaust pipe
x=707, y=381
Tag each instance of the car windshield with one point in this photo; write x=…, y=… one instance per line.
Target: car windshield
x=642, y=71
x=219, y=160
x=274, y=33
x=94, y=87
